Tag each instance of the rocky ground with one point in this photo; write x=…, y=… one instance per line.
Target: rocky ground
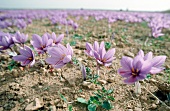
x=39, y=88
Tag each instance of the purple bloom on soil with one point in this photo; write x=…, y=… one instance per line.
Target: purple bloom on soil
x=103, y=57
x=90, y=49
x=60, y=55
x=156, y=62
x=134, y=69
x=83, y=69
x=56, y=40
x=75, y=26
x=26, y=57
x=41, y=44
x=20, y=38
x=6, y=42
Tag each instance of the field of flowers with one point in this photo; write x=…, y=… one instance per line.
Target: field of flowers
x=84, y=60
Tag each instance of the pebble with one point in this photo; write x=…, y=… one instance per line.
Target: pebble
x=128, y=53
x=137, y=109
x=110, y=80
x=102, y=81
x=35, y=105
x=130, y=110
x=53, y=108
x=85, y=83
x=3, y=79
x=154, y=106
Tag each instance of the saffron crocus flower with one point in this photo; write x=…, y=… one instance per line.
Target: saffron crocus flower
x=134, y=69
x=60, y=55
x=156, y=62
x=20, y=38
x=75, y=26
x=26, y=57
x=6, y=42
x=56, y=40
x=103, y=57
x=41, y=44
x=90, y=49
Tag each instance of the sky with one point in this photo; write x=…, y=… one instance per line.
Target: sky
x=133, y=5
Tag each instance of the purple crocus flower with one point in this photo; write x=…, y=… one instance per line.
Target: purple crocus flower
x=103, y=57
x=56, y=40
x=6, y=42
x=134, y=69
x=26, y=57
x=60, y=55
x=75, y=26
x=156, y=62
x=90, y=49
x=20, y=38
x=41, y=44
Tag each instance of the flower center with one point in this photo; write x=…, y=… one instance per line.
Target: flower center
x=135, y=72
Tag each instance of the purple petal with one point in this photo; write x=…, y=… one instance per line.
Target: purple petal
x=20, y=58
x=124, y=73
x=96, y=46
x=155, y=70
x=141, y=53
x=158, y=61
x=146, y=67
x=137, y=62
x=126, y=63
x=148, y=56
x=102, y=45
x=59, y=38
x=110, y=53
x=70, y=50
x=67, y=59
x=52, y=60
x=59, y=65
x=130, y=80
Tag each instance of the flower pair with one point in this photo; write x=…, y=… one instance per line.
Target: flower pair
x=99, y=53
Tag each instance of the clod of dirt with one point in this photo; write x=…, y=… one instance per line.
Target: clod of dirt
x=35, y=105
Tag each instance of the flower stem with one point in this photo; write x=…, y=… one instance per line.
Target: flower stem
x=137, y=88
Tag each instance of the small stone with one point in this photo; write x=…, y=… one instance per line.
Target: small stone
x=35, y=105
x=53, y=108
x=137, y=109
x=102, y=81
x=85, y=83
x=110, y=80
x=3, y=79
x=157, y=101
x=154, y=106
x=128, y=53
x=79, y=59
x=130, y=110
x=91, y=86
x=65, y=89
